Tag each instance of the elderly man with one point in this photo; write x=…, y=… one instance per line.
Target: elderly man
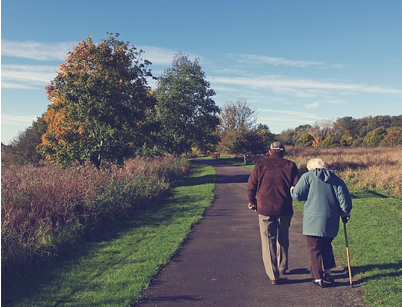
x=269, y=194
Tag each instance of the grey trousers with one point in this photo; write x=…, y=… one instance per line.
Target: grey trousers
x=274, y=231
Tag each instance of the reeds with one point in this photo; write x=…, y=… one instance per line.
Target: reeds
x=45, y=207
x=374, y=168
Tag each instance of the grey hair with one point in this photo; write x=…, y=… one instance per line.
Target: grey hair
x=316, y=163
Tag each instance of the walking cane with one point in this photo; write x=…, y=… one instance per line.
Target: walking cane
x=348, y=255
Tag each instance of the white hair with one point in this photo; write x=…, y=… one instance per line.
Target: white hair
x=316, y=163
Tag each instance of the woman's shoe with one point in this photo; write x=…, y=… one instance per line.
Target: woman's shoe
x=329, y=278
x=318, y=282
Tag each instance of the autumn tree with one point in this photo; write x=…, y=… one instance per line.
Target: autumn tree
x=393, y=137
x=239, y=132
x=306, y=139
x=99, y=102
x=328, y=142
x=347, y=125
x=301, y=131
x=287, y=137
x=373, y=138
x=346, y=139
x=185, y=110
x=236, y=120
x=237, y=116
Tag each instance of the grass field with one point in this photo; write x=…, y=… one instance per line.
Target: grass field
x=113, y=272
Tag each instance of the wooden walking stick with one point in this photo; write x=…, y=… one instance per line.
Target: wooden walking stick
x=348, y=255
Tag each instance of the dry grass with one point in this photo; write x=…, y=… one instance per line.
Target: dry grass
x=377, y=168
x=43, y=207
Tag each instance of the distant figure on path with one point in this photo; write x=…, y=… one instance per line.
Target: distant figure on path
x=327, y=199
x=269, y=194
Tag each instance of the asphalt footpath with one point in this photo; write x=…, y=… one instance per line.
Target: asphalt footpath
x=220, y=263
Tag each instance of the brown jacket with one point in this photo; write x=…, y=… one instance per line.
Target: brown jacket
x=269, y=185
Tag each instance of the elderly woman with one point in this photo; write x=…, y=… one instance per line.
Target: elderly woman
x=326, y=200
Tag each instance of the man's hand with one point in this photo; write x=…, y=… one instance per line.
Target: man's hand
x=252, y=206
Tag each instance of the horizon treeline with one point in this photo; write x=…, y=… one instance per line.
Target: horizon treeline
x=370, y=131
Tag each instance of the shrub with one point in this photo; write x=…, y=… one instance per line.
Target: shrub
x=46, y=207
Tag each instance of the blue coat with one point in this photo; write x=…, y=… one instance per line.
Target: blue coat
x=326, y=197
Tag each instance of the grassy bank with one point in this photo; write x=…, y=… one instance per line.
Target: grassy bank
x=113, y=272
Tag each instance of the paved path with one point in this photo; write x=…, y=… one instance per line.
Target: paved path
x=220, y=264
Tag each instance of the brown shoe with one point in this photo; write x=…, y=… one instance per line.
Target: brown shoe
x=274, y=281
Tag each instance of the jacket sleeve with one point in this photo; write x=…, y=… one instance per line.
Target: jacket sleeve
x=252, y=186
x=295, y=175
x=300, y=192
x=344, y=198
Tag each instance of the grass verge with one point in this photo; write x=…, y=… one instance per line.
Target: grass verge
x=115, y=271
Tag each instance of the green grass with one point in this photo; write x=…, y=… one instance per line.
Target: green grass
x=114, y=272
x=375, y=235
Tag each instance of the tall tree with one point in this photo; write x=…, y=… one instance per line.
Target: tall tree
x=393, y=137
x=99, y=101
x=374, y=138
x=238, y=116
x=186, y=112
x=239, y=132
x=22, y=149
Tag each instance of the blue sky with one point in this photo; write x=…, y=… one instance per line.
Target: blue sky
x=295, y=62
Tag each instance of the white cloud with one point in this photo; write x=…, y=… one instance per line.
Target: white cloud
x=17, y=120
x=276, y=61
x=316, y=104
x=26, y=76
x=280, y=120
x=300, y=87
x=36, y=51
x=312, y=105
x=293, y=114
x=16, y=86
x=163, y=56
x=158, y=56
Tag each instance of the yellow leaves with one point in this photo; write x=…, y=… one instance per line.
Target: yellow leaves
x=81, y=129
x=45, y=142
x=317, y=140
